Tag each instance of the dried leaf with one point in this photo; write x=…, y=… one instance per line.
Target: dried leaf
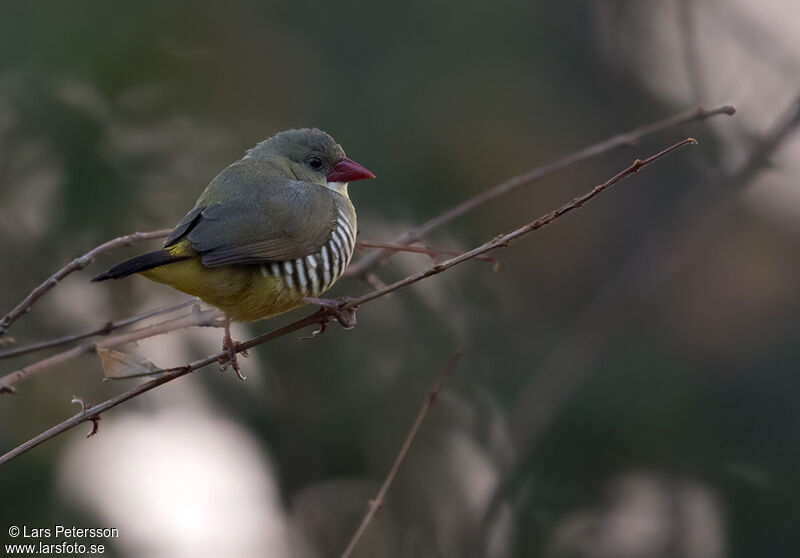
x=118, y=365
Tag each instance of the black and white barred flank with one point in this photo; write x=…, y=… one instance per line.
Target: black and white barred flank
x=316, y=273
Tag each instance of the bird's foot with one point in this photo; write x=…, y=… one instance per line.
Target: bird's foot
x=342, y=309
x=229, y=356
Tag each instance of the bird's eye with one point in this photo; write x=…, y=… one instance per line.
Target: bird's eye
x=315, y=162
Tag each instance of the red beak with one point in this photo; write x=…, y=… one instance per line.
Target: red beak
x=348, y=170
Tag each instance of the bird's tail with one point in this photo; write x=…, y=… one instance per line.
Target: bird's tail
x=138, y=264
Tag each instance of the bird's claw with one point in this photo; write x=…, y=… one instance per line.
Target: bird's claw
x=229, y=356
x=341, y=309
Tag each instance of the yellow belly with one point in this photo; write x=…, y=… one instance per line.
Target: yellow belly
x=242, y=292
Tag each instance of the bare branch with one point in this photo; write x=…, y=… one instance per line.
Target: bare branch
x=169, y=374
x=324, y=314
x=194, y=318
x=106, y=329
x=75, y=265
x=506, y=239
x=376, y=504
x=427, y=250
x=93, y=413
x=629, y=138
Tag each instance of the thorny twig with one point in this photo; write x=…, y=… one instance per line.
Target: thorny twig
x=94, y=419
x=506, y=239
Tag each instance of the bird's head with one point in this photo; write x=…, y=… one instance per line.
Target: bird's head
x=311, y=155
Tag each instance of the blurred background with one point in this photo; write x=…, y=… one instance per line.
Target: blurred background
x=630, y=378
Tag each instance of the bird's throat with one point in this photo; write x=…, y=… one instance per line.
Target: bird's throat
x=338, y=187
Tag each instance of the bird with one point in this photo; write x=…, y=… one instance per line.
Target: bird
x=271, y=232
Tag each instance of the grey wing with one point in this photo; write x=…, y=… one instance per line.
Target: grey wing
x=288, y=223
